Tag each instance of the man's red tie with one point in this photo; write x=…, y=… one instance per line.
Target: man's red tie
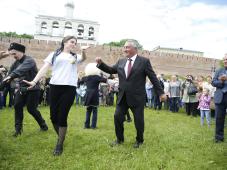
x=129, y=66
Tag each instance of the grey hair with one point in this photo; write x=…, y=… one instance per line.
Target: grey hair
x=134, y=43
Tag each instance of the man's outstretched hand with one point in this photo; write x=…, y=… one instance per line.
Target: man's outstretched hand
x=4, y=54
x=98, y=60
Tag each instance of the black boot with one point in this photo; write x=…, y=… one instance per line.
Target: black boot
x=43, y=127
x=61, y=137
x=58, y=150
x=17, y=132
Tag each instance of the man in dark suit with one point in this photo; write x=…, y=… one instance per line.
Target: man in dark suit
x=132, y=72
x=220, y=99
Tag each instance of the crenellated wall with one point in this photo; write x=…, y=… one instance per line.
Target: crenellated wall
x=162, y=63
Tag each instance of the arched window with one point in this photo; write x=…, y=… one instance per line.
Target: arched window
x=91, y=33
x=55, y=27
x=80, y=31
x=68, y=29
x=43, y=28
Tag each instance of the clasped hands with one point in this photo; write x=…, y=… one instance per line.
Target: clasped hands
x=222, y=77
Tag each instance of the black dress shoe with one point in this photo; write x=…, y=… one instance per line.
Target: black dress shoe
x=218, y=140
x=44, y=127
x=137, y=144
x=17, y=133
x=58, y=150
x=86, y=127
x=129, y=120
x=116, y=143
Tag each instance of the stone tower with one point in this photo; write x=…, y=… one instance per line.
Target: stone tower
x=69, y=9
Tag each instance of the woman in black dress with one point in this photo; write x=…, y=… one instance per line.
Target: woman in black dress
x=92, y=79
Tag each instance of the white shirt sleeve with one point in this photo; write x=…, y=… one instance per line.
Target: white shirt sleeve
x=48, y=59
x=79, y=58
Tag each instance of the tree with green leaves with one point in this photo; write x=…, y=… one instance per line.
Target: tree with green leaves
x=15, y=35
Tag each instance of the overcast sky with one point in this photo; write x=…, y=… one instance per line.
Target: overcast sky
x=199, y=25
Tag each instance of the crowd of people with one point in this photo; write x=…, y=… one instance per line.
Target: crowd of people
x=135, y=87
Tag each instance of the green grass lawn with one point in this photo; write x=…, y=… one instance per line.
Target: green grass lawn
x=172, y=141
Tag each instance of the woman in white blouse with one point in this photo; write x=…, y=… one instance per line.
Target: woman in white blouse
x=62, y=85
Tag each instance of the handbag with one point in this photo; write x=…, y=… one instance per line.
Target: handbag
x=192, y=89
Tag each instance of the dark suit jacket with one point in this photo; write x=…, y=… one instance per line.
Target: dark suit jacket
x=218, y=94
x=134, y=86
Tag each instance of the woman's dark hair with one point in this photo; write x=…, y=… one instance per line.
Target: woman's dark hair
x=59, y=50
x=189, y=75
x=65, y=39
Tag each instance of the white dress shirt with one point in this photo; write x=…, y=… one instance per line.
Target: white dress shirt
x=132, y=62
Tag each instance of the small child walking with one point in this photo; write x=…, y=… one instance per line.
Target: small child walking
x=204, y=106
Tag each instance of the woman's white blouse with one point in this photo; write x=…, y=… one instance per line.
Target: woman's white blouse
x=64, y=69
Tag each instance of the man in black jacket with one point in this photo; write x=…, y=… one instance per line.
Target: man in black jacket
x=132, y=72
x=24, y=68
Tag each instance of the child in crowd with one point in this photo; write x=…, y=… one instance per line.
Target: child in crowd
x=204, y=106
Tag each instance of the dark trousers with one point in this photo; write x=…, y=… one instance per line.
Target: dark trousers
x=174, y=105
x=31, y=100
x=41, y=96
x=157, y=103
x=94, y=110
x=119, y=117
x=191, y=108
x=167, y=103
x=10, y=91
x=220, y=112
x=1, y=99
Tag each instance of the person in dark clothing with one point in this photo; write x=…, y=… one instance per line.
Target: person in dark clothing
x=220, y=99
x=132, y=71
x=24, y=68
x=8, y=90
x=3, y=71
x=47, y=92
x=92, y=80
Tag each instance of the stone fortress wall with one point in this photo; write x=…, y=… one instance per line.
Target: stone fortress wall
x=163, y=63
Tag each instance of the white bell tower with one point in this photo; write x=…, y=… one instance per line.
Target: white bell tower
x=69, y=8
